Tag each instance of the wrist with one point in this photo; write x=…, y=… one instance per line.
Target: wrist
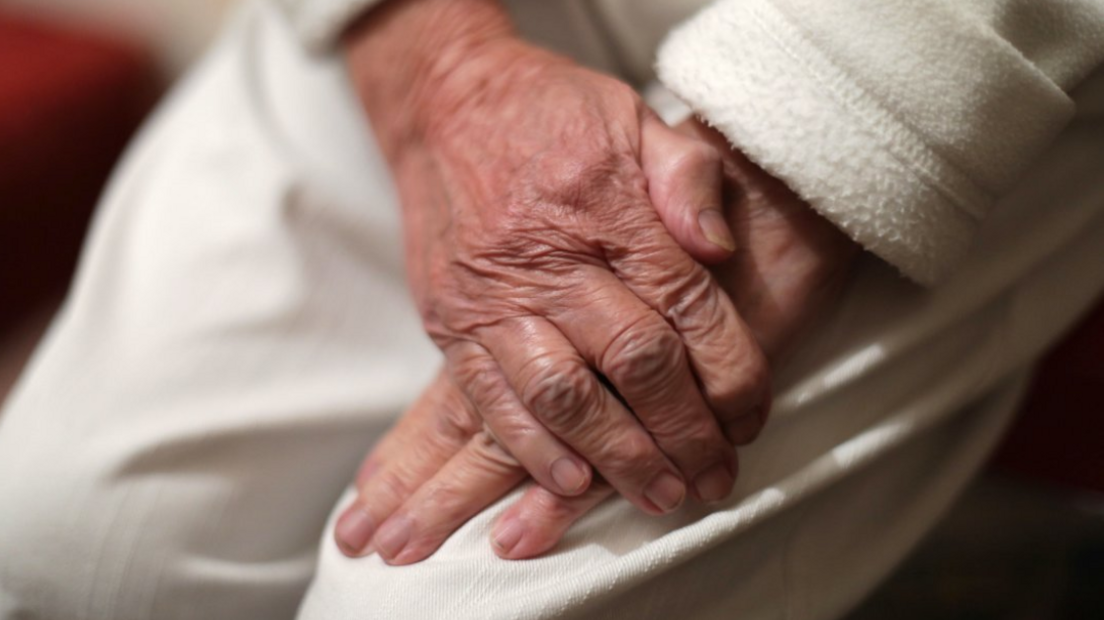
x=412, y=61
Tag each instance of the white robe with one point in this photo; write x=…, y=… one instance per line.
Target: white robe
x=239, y=333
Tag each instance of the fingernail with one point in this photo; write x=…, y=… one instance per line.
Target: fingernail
x=568, y=475
x=507, y=534
x=666, y=492
x=353, y=530
x=714, y=484
x=392, y=536
x=715, y=228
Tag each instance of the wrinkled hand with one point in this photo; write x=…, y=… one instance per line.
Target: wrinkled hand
x=541, y=268
x=439, y=466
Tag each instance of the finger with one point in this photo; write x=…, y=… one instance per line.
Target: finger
x=646, y=361
x=473, y=479
x=436, y=427
x=366, y=470
x=744, y=430
x=685, y=182
x=723, y=352
x=546, y=458
x=537, y=521
x=564, y=394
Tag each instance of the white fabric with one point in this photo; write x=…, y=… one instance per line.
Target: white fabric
x=239, y=333
x=319, y=23
x=900, y=121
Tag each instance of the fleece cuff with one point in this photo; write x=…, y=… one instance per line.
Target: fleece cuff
x=751, y=74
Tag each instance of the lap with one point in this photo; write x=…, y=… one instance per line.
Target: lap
x=887, y=412
x=771, y=551
x=239, y=333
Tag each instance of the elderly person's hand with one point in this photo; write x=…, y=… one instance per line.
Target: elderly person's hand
x=541, y=267
x=439, y=467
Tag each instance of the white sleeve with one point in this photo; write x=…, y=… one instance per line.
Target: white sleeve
x=899, y=120
x=318, y=23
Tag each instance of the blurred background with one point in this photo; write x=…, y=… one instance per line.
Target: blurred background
x=171, y=32
x=78, y=76
x=76, y=79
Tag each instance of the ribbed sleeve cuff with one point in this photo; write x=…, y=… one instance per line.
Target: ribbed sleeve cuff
x=750, y=73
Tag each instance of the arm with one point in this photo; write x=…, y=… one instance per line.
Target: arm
x=900, y=121
x=909, y=222
x=538, y=261
x=411, y=62
x=789, y=268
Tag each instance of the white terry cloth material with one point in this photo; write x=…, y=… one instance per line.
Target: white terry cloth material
x=901, y=121
x=239, y=333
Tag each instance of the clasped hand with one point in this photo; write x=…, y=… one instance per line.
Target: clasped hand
x=556, y=232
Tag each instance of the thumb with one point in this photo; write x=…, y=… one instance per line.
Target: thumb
x=686, y=183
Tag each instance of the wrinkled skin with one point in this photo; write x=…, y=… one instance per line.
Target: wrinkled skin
x=536, y=257
x=440, y=466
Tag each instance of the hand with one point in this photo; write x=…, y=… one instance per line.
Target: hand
x=537, y=258
x=438, y=467
x=791, y=263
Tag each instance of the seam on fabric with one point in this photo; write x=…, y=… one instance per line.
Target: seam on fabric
x=850, y=103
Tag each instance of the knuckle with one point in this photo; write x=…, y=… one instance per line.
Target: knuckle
x=456, y=422
x=572, y=181
x=692, y=300
x=623, y=94
x=388, y=484
x=481, y=381
x=644, y=358
x=491, y=454
x=755, y=374
x=514, y=430
x=561, y=393
x=441, y=499
x=697, y=439
x=696, y=155
x=433, y=323
x=631, y=454
x=548, y=507
x=750, y=382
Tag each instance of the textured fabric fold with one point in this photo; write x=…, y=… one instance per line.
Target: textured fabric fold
x=901, y=122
